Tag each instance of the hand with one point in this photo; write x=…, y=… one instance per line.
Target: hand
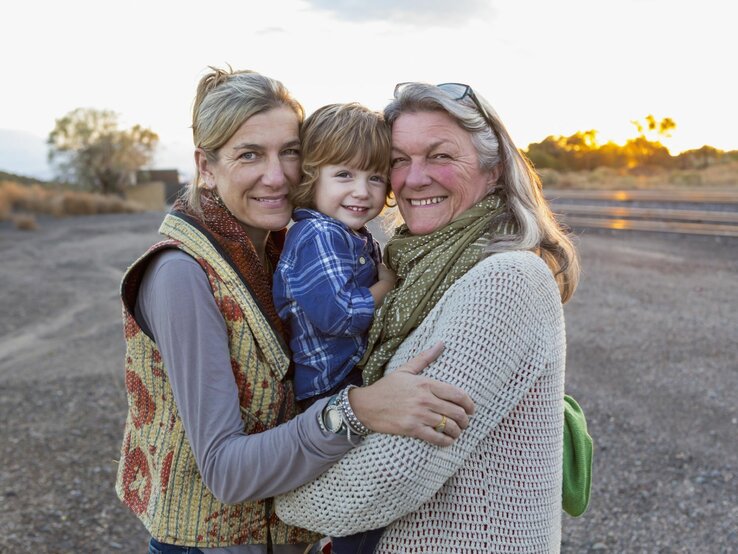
x=385, y=283
x=386, y=274
x=405, y=403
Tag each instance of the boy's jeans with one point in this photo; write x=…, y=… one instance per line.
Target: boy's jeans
x=360, y=543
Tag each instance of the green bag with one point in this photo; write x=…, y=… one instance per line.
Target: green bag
x=577, y=459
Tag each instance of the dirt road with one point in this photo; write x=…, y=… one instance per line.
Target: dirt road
x=652, y=357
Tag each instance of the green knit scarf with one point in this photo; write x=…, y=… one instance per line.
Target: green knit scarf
x=426, y=266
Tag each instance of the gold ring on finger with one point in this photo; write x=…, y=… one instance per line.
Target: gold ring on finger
x=441, y=427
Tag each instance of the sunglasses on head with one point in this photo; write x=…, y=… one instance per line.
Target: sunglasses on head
x=456, y=91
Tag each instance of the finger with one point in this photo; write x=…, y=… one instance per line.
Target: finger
x=429, y=435
x=453, y=412
x=445, y=426
x=453, y=395
x=424, y=359
x=451, y=429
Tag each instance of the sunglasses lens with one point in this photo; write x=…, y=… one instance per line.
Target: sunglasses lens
x=457, y=91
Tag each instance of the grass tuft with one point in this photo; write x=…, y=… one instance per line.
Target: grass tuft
x=718, y=176
x=25, y=222
x=19, y=200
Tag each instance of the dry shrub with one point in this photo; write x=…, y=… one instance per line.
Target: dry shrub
x=38, y=199
x=25, y=198
x=4, y=205
x=116, y=204
x=77, y=203
x=685, y=179
x=720, y=175
x=86, y=203
x=10, y=194
x=25, y=222
x=549, y=177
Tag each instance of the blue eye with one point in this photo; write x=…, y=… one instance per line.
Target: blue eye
x=291, y=152
x=248, y=156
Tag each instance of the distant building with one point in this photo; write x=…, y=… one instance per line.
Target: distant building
x=169, y=177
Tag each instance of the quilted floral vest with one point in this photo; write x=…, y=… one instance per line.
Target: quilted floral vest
x=157, y=476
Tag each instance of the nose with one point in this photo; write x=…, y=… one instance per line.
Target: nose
x=360, y=189
x=417, y=176
x=274, y=172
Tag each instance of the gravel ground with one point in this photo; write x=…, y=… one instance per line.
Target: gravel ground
x=652, y=354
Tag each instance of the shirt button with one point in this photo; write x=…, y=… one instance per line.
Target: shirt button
x=362, y=260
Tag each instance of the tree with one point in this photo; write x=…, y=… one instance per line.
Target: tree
x=661, y=129
x=88, y=149
x=700, y=158
x=642, y=152
x=576, y=152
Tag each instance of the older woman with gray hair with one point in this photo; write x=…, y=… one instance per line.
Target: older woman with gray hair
x=483, y=266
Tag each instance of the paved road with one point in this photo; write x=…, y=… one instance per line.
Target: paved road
x=653, y=343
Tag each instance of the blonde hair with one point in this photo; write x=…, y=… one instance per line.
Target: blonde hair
x=537, y=228
x=341, y=134
x=225, y=99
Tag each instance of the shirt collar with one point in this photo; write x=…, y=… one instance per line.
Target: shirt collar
x=306, y=213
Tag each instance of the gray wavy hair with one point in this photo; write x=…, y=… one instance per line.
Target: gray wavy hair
x=537, y=228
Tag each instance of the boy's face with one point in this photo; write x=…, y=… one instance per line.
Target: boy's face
x=352, y=196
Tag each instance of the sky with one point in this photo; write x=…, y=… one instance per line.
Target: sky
x=548, y=67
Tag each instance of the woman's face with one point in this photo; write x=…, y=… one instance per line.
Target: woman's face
x=435, y=171
x=255, y=170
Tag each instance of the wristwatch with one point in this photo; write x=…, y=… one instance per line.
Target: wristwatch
x=331, y=419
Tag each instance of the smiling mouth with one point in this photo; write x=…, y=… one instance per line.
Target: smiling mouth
x=271, y=201
x=426, y=201
x=357, y=209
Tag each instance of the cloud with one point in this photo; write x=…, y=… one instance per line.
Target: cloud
x=409, y=12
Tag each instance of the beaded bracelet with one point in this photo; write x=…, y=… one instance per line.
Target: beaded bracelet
x=356, y=426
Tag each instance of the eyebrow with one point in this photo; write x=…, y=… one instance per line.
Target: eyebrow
x=255, y=146
x=431, y=146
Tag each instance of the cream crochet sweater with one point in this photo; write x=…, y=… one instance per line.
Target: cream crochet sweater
x=498, y=487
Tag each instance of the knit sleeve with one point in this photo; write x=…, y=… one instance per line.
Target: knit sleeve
x=494, y=322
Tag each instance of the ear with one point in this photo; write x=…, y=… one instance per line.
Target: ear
x=494, y=174
x=204, y=168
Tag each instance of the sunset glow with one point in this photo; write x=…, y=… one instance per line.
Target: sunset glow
x=143, y=61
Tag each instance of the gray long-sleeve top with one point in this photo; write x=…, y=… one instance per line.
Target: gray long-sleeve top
x=175, y=305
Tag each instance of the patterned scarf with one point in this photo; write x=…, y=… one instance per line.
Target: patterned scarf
x=426, y=266
x=226, y=230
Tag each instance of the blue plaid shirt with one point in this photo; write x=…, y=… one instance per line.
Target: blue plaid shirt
x=321, y=292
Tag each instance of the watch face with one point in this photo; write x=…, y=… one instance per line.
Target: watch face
x=333, y=419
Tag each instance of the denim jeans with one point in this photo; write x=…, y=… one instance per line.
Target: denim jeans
x=360, y=543
x=156, y=547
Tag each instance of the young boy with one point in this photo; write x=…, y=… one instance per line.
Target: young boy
x=330, y=278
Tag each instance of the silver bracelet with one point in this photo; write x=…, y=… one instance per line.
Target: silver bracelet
x=355, y=426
